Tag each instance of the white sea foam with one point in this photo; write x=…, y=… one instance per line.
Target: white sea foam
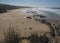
x=53, y=13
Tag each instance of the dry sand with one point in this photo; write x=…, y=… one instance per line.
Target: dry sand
x=17, y=19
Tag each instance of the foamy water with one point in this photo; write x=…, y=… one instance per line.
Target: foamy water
x=51, y=13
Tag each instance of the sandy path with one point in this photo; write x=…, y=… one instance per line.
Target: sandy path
x=16, y=19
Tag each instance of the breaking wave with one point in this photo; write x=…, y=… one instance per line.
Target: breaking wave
x=51, y=13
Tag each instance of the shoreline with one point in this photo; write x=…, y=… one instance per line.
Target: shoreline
x=24, y=24
x=16, y=19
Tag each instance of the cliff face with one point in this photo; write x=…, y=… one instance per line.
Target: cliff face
x=10, y=7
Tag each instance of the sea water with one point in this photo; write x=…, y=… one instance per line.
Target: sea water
x=49, y=12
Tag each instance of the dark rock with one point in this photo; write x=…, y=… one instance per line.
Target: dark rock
x=29, y=17
x=44, y=39
x=2, y=10
x=30, y=28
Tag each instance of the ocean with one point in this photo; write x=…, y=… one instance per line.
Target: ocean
x=49, y=12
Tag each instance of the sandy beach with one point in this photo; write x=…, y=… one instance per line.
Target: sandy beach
x=17, y=19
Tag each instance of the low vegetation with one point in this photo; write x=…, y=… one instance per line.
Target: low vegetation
x=11, y=36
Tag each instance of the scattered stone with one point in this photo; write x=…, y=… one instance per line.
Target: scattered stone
x=26, y=28
x=53, y=40
x=42, y=16
x=43, y=39
x=36, y=15
x=2, y=10
x=29, y=17
x=30, y=28
x=37, y=19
